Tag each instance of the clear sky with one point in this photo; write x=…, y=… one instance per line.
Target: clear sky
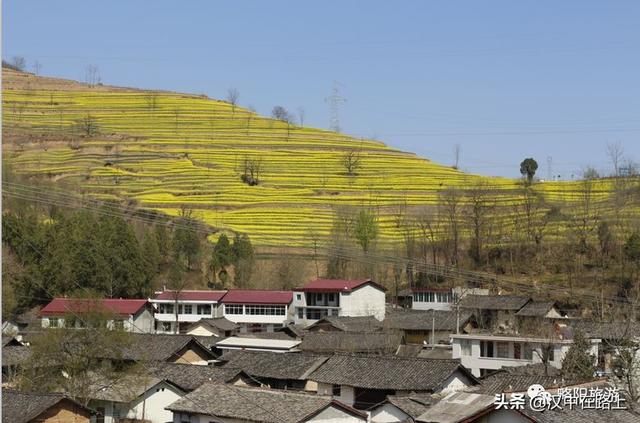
x=503, y=79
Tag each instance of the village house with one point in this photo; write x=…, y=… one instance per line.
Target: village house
x=277, y=371
x=495, y=312
x=233, y=404
x=28, y=407
x=346, y=324
x=483, y=352
x=402, y=408
x=129, y=315
x=14, y=355
x=335, y=297
x=435, y=298
x=429, y=327
x=257, y=310
x=167, y=348
x=364, y=380
x=187, y=306
x=133, y=397
x=220, y=327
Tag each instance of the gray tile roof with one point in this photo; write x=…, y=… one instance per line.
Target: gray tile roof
x=606, y=330
x=14, y=355
x=219, y=323
x=352, y=342
x=9, y=340
x=422, y=320
x=296, y=366
x=456, y=407
x=505, y=382
x=189, y=377
x=22, y=407
x=125, y=388
x=493, y=302
x=250, y=404
x=536, y=308
x=350, y=324
x=386, y=372
x=156, y=347
x=414, y=405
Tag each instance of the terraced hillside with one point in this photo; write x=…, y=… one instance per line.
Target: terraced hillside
x=167, y=151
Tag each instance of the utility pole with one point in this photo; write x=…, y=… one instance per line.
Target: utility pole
x=335, y=100
x=433, y=328
x=549, y=172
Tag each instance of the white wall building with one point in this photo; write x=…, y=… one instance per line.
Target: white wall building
x=333, y=297
x=257, y=310
x=130, y=315
x=191, y=307
x=481, y=353
x=141, y=399
x=440, y=298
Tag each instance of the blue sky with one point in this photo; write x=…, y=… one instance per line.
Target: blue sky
x=503, y=79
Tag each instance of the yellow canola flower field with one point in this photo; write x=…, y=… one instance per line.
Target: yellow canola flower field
x=168, y=151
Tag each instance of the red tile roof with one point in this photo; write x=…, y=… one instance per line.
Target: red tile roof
x=69, y=305
x=192, y=295
x=257, y=296
x=324, y=285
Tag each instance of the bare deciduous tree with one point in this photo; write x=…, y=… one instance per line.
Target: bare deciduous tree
x=233, y=95
x=301, y=115
x=481, y=201
x=451, y=200
x=251, y=170
x=351, y=161
x=151, y=98
x=615, y=151
x=19, y=63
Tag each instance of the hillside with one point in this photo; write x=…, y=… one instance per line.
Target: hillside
x=168, y=150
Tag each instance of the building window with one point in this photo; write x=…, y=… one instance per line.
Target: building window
x=188, y=309
x=266, y=310
x=336, y=391
x=465, y=347
x=517, y=351
x=331, y=297
x=165, y=308
x=234, y=309
x=503, y=349
x=100, y=415
x=551, y=353
x=53, y=322
x=204, y=309
x=299, y=297
x=486, y=349
x=300, y=313
x=118, y=324
x=166, y=327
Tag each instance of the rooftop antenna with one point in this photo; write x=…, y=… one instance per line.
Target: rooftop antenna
x=549, y=172
x=335, y=100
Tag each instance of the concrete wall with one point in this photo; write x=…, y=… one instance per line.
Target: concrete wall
x=389, y=413
x=200, y=330
x=335, y=415
x=456, y=382
x=142, y=322
x=364, y=301
x=155, y=400
x=347, y=393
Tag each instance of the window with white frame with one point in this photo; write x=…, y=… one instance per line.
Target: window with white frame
x=165, y=308
x=53, y=322
x=265, y=310
x=188, y=309
x=234, y=309
x=204, y=309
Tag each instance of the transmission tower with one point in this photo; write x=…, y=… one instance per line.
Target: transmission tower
x=335, y=100
x=549, y=171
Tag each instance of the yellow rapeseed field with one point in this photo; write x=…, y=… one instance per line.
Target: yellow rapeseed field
x=168, y=150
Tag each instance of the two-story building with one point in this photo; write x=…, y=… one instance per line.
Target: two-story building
x=336, y=297
x=483, y=353
x=183, y=308
x=435, y=298
x=129, y=315
x=257, y=310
